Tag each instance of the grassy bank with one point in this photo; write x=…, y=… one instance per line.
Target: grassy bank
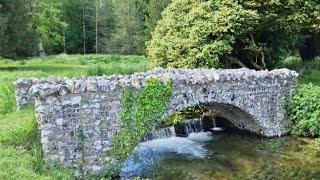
x=20, y=148
x=309, y=71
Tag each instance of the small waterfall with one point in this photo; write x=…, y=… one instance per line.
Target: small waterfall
x=161, y=133
x=193, y=126
x=215, y=128
x=196, y=125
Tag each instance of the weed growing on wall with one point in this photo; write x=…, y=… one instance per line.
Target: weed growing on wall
x=304, y=110
x=141, y=112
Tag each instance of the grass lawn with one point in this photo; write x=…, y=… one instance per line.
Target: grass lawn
x=20, y=149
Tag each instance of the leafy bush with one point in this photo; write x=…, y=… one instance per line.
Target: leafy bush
x=140, y=113
x=198, y=33
x=211, y=33
x=304, y=110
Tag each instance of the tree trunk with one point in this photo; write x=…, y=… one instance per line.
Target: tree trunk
x=262, y=60
x=42, y=52
x=96, y=26
x=236, y=61
x=83, y=29
x=64, y=42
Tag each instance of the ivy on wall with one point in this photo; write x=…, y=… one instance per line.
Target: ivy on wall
x=141, y=112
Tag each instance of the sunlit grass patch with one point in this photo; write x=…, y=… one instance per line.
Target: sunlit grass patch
x=20, y=149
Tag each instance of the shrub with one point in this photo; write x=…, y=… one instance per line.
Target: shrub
x=252, y=33
x=304, y=110
x=198, y=33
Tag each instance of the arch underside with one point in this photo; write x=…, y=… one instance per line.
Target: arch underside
x=235, y=116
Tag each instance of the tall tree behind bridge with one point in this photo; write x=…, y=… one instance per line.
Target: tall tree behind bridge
x=89, y=20
x=153, y=13
x=17, y=40
x=129, y=35
x=49, y=23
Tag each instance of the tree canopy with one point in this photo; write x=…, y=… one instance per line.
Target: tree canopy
x=189, y=33
x=253, y=33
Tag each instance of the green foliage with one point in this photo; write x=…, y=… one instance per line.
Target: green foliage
x=17, y=39
x=48, y=22
x=224, y=33
x=292, y=62
x=7, y=98
x=129, y=35
x=198, y=33
x=81, y=16
x=140, y=113
x=304, y=110
x=152, y=10
x=309, y=71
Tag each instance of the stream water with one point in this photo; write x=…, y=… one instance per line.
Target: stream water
x=224, y=155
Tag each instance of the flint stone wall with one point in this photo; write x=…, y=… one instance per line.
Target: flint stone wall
x=78, y=117
x=24, y=97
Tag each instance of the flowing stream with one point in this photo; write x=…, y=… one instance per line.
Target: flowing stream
x=191, y=152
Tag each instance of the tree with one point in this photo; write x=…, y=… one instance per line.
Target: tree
x=86, y=28
x=199, y=33
x=152, y=10
x=48, y=22
x=106, y=25
x=3, y=27
x=129, y=34
x=283, y=27
x=17, y=40
x=231, y=33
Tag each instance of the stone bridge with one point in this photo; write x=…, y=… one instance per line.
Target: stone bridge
x=78, y=117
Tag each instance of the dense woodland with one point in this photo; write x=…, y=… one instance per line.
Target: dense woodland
x=269, y=31
x=34, y=27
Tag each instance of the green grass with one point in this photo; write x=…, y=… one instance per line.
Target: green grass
x=65, y=66
x=20, y=148
x=309, y=71
x=75, y=65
